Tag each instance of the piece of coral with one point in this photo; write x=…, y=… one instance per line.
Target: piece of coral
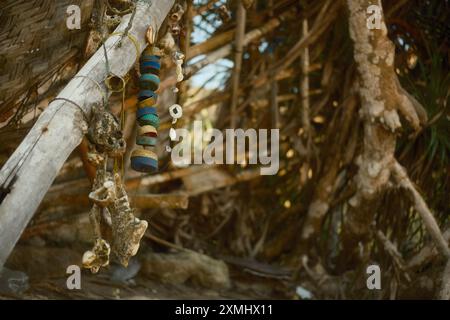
x=110, y=201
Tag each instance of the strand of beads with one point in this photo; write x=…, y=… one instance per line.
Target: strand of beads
x=176, y=111
x=144, y=159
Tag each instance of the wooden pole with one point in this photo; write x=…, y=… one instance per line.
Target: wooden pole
x=211, y=44
x=273, y=82
x=238, y=47
x=29, y=172
x=304, y=85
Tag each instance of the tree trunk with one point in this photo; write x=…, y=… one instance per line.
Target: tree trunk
x=30, y=171
x=383, y=100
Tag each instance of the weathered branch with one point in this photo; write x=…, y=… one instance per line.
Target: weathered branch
x=426, y=254
x=421, y=207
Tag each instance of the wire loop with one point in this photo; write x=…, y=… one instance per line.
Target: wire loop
x=132, y=39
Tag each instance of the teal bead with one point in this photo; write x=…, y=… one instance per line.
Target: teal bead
x=146, y=110
x=146, y=141
x=149, y=119
x=149, y=82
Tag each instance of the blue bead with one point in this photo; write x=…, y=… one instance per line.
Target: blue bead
x=147, y=110
x=144, y=164
x=146, y=57
x=149, y=70
x=150, y=64
x=145, y=94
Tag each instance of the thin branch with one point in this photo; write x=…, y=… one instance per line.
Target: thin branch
x=421, y=207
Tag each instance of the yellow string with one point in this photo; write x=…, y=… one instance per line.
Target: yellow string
x=122, y=119
x=122, y=125
x=133, y=39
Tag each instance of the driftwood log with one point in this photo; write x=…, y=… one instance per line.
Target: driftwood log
x=30, y=171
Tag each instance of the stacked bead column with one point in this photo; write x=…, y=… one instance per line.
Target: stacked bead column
x=145, y=159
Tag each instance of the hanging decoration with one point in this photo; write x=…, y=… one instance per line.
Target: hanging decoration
x=175, y=111
x=145, y=159
x=111, y=207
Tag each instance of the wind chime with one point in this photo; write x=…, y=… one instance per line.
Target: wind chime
x=145, y=159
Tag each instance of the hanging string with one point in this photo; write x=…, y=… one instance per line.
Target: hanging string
x=73, y=103
x=109, y=79
x=118, y=167
x=12, y=174
x=130, y=23
x=120, y=12
x=132, y=39
x=122, y=125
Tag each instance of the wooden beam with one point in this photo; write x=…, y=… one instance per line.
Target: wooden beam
x=169, y=201
x=210, y=44
x=74, y=186
x=140, y=201
x=30, y=171
x=214, y=178
x=249, y=37
x=238, y=47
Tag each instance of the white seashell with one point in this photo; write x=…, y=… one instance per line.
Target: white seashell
x=172, y=134
x=179, y=71
x=176, y=111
